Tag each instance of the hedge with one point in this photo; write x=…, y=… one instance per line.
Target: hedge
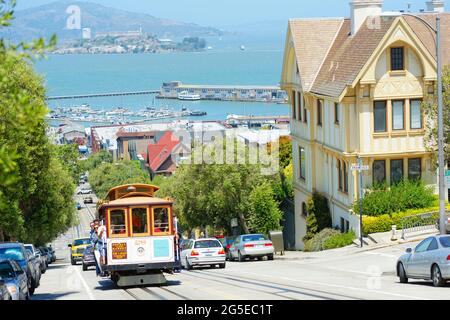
x=329, y=239
x=384, y=223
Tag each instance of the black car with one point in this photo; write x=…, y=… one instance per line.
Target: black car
x=15, y=279
x=17, y=252
x=88, y=258
x=227, y=242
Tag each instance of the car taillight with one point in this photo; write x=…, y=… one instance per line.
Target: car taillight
x=249, y=245
x=268, y=245
x=448, y=258
x=194, y=253
x=221, y=251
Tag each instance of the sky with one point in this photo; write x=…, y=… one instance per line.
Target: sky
x=219, y=13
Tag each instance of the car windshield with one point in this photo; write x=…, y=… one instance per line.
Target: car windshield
x=207, y=244
x=445, y=242
x=11, y=253
x=254, y=237
x=6, y=270
x=81, y=242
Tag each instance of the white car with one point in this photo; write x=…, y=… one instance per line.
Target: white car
x=85, y=191
x=202, y=252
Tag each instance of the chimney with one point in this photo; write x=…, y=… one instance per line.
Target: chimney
x=361, y=10
x=435, y=6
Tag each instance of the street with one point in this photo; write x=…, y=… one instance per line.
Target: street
x=343, y=274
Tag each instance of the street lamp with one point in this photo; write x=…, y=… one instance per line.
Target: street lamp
x=437, y=31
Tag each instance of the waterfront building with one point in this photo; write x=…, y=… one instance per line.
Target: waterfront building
x=356, y=86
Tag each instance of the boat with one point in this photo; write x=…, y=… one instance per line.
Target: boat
x=242, y=47
x=189, y=96
x=198, y=113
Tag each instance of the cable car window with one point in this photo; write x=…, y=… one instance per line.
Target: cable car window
x=118, y=224
x=160, y=220
x=140, y=220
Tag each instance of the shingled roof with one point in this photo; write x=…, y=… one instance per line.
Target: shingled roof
x=330, y=58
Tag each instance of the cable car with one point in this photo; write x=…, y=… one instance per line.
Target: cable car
x=141, y=235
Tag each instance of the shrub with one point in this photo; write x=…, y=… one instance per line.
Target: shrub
x=339, y=240
x=317, y=241
x=319, y=217
x=400, y=197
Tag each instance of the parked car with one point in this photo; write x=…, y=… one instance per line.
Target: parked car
x=88, y=200
x=39, y=259
x=44, y=260
x=430, y=260
x=48, y=253
x=18, y=253
x=78, y=246
x=4, y=293
x=53, y=253
x=88, y=258
x=36, y=261
x=251, y=246
x=84, y=191
x=227, y=242
x=15, y=280
x=202, y=252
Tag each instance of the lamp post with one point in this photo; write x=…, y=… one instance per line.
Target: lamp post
x=437, y=31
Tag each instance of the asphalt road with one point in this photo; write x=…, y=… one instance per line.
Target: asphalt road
x=337, y=275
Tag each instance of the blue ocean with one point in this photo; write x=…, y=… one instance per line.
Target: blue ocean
x=259, y=64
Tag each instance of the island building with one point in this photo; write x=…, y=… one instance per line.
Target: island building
x=356, y=86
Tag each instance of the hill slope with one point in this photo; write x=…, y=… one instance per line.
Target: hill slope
x=51, y=18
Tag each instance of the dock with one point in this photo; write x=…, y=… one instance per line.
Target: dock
x=249, y=93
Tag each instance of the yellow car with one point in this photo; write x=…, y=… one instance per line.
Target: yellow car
x=77, y=249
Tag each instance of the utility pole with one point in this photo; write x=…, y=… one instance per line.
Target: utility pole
x=360, y=163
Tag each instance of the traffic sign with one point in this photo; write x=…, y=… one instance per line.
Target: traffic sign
x=357, y=167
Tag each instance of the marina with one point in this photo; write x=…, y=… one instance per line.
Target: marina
x=85, y=113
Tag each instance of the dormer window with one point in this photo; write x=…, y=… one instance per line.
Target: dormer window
x=397, y=59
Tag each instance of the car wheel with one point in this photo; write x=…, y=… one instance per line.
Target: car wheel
x=31, y=290
x=85, y=267
x=436, y=276
x=222, y=266
x=260, y=258
x=402, y=273
x=241, y=258
x=270, y=257
x=188, y=266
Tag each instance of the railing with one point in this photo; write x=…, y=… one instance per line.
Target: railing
x=421, y=222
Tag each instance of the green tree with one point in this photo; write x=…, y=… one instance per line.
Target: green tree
x=109, y=175
x=97, y=159
x=265, y=214
x=431, y=110
x=319, y=216
x=68, y=155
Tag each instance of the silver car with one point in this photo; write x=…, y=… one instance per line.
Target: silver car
x=251, y=246
x=430, y=260
x=202, y=252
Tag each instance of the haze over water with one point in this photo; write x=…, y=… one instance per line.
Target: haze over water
x=259, y=64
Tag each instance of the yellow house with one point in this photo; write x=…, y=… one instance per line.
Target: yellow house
x=356, y=87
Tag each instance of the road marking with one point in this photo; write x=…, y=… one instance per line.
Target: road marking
x=338, y=286
x=380, y=254
x=86, y=287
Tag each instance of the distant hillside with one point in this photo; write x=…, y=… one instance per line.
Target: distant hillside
x=51, y=18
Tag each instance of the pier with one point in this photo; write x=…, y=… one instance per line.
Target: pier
x=250, y=93
x=99, y=95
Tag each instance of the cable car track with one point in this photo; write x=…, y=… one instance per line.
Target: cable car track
x=154, y=294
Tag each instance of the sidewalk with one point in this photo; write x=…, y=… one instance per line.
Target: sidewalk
x=352, y=249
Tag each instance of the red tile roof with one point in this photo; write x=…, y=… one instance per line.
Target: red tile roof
x=158, y=153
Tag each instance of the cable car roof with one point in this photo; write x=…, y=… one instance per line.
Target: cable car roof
x=131, y=190
x=136, y=201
